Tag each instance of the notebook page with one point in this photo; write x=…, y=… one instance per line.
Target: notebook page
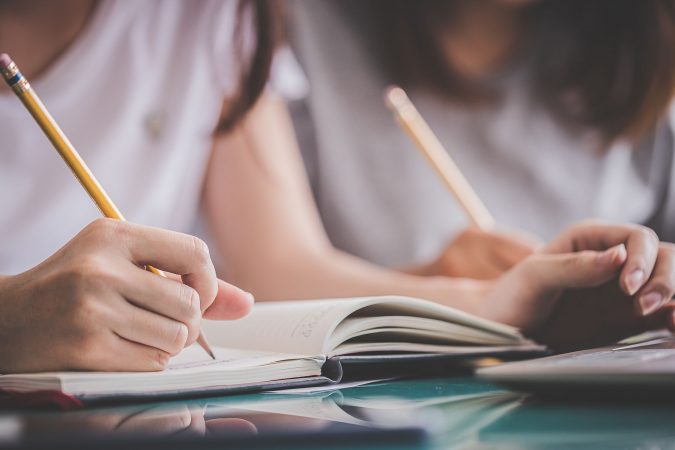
x=300, y=327
x=306, y=327
x=420, y=328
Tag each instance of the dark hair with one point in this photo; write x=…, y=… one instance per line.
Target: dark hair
x=266, y=17
x=603, y=65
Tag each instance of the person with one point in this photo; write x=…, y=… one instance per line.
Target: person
x=138, y=88
x=171, y=111
x=555, y=111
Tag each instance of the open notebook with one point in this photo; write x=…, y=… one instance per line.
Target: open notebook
x=283, y=344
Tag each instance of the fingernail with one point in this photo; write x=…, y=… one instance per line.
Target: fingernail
x=609, y=256
x=634, y=281
x=250, y=298
x=650, y=302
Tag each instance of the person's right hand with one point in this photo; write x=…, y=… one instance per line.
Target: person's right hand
x=92, y=306
x=482, y=255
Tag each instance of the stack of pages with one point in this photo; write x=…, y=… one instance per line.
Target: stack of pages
x=284, y=344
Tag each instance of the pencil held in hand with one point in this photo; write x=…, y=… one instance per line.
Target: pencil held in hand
x=72, y=158
x=428, y=144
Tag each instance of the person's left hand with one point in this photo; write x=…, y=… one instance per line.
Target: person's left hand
x=593, y=285
x=630, y=303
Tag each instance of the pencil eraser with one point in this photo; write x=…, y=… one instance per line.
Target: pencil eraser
x=395, y=97
x=5, y=60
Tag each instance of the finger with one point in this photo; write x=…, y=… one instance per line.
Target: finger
x=642, y=247
x=592, y=235
x=177, y=253
x=168, y=297
x=119, y=354
x=197, y=426
x=164, y=295
x=153, y=330
x=574, y=270
x=661, y=286
x=641, y=243
x=230, y=303
x=662, y=318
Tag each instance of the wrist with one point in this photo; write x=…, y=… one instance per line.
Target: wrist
x=467, y=294
x=430, y=269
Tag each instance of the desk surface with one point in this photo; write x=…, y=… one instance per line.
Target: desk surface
x=467, y=413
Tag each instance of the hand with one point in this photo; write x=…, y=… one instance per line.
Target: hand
x=92, y=306
x=481, y=255
x=582, y=289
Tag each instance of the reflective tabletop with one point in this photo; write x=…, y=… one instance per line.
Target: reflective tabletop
x=456, y=412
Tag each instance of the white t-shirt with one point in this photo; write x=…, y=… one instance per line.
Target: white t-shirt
x=139, y=94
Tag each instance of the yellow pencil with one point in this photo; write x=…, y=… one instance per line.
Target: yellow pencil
x=72, y=158
x=426, y=141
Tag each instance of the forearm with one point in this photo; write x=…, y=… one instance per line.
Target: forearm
x=424, y=270
x=331, y=273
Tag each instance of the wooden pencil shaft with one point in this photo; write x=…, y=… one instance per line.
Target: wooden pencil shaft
x=71, y=157
x=428, y=144
x=449, y=173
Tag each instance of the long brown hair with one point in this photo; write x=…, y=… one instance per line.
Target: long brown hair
x=603, y=65
x=267, y=19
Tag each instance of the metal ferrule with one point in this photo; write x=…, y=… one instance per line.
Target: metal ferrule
x=21, y=85
x=15, y=79
x=10, y=71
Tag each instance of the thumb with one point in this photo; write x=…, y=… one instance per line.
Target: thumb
x=575, y=270
x=230, y=303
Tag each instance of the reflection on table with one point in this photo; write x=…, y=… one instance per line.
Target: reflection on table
x=459, y=413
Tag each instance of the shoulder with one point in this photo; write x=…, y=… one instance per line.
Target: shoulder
x=182, y=19
x=183, y=35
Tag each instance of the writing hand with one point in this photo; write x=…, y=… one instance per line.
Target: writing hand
x=481, y=255
x=92, y=306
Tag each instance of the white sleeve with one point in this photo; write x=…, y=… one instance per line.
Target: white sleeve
x=221, y=19
x=218, y=24
x=287, y=78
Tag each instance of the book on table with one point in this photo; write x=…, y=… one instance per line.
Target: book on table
x=295, y=343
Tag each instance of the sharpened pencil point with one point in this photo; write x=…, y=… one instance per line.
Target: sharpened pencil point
x=201, y=340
